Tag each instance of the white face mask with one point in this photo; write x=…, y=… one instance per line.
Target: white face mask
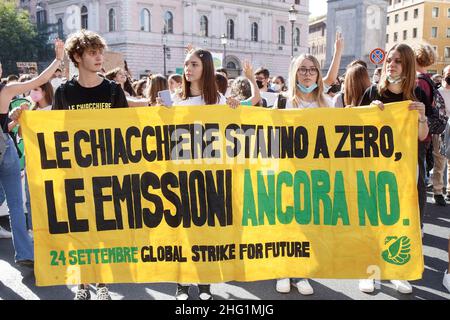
x=56, y=82
x=276, y=87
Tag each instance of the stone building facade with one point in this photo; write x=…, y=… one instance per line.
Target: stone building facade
x=256, y=30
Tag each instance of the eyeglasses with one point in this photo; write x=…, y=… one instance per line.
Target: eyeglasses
x=304, y=71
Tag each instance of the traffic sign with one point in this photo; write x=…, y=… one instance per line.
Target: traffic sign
x=377, y=56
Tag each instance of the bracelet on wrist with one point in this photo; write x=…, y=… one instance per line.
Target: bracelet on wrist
x=423, y=120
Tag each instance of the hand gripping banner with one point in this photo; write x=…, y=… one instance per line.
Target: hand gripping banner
x=210, y=194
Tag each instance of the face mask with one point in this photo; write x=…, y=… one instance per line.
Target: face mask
x=56, y=83
x=260, y=84
x=376, y=79
x=36, y=96
x=394, y=80
x=447, y=80
x=276, y=87
x=307, y=90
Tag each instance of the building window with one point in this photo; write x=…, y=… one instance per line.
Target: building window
x=230, y=29
x=60, y=29
x=387, y=38
x=84, y=17
x=448, y=13
x=281, y=35
x=297, y=37
x=448, y=32
x=145, y=20
x=396, y=18
x=255, y=32
x=168, y=22
x=447, y=53
x=203, y=26
x=112, y=20
x=405, y=34
x=297, y=1
x=387, y=20
x=41, y=17
x=435, y=12
x=395, y=36
x=434, y=32
x=405, y=16
x=416, y=13
x=415, y=33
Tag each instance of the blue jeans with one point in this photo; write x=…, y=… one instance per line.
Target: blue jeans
x=11, y=183
x=29, y=221
x=2, y=195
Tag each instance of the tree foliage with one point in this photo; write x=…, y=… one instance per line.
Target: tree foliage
x=19, y=39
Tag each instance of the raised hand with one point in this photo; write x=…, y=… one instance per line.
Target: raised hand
x=247, y=68
x=59, y=49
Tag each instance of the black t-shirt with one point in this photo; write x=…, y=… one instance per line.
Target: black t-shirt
x=372, y=94
x=72, y=96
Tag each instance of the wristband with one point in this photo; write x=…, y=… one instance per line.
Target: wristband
x=423, y=121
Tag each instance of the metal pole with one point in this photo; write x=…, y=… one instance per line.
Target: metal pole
x=225, y=56
x=292, y=39
x=164, y=52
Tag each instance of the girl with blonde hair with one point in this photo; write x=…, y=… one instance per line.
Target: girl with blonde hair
x=306, y=90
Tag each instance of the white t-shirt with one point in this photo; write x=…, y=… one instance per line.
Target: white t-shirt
x=446, y=95
x=308, y=105
x=198, y=101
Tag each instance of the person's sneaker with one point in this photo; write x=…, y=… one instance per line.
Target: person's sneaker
x=304, y=287
x=283, y=285
x=367, y=285
x=446, y=281
x=440, y=200
x=204, y=292
x=26, y=263
x=82, y=293
x=447, y=197
x=402, y=286
x=103, y=293
x=182, y=292
x=5, y=234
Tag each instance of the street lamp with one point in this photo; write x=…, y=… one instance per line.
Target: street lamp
x=292, y=18
x=224, y=42
x=164, y=42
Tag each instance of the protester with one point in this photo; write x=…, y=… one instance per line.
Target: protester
x=262, y=80
x=376, y=76
x=199, y=88
x=355, y=84
x=306, y=90
x=120, y=76
x=140, y=87
x=89, y=91
x=156, y=83
x=437, y=79
x=175, y=83
x=425, y=57
x=444, y=90
x=245, y=89
x=222, y=83
x=278, y=84
x=398, y=83
x=10, y=177
x=223, y=72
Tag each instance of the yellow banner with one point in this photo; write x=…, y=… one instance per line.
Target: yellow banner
x=210, y=194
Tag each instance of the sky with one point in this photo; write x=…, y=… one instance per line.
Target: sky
x=317, y=7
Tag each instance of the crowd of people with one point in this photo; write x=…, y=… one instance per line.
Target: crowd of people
x=403, y=77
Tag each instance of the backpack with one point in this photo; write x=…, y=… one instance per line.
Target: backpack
x=114, y=87
x=438, y=121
